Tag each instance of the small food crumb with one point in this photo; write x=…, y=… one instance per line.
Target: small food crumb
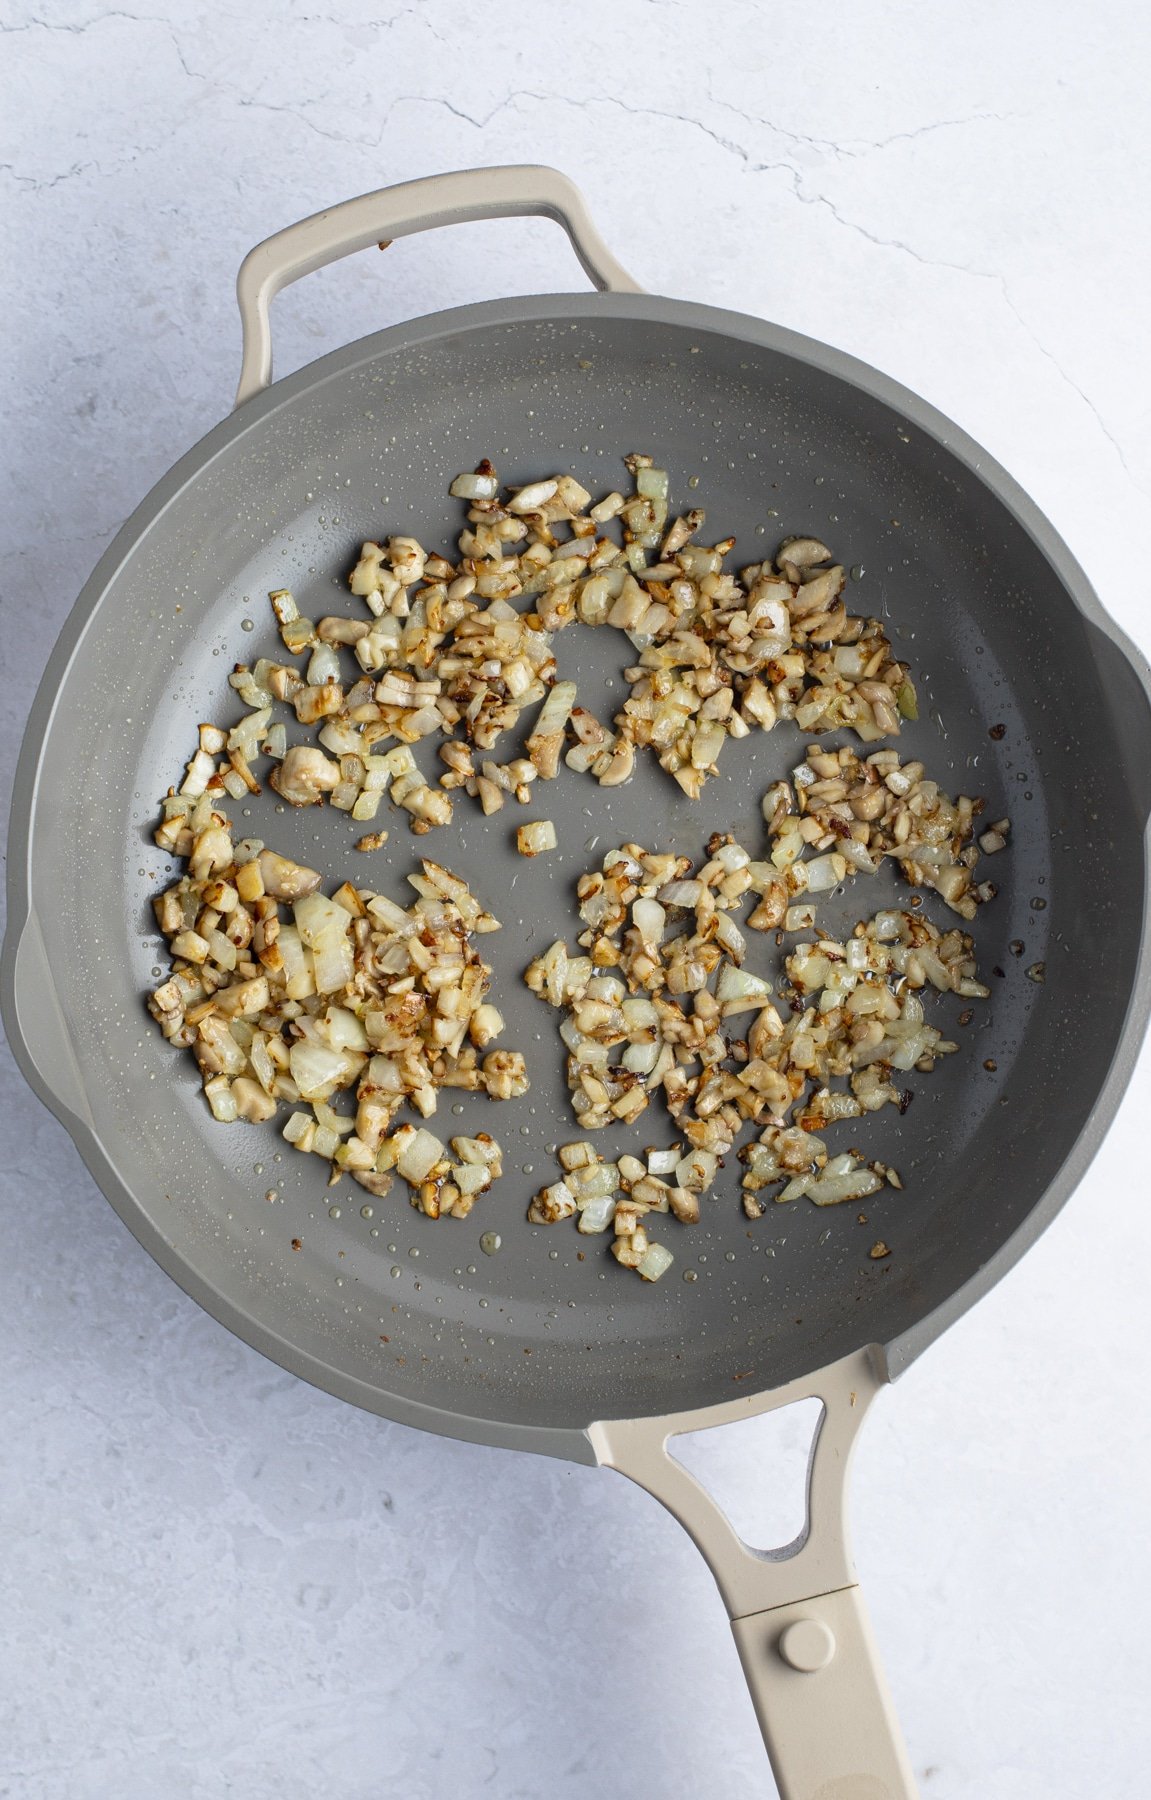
x=991, y=1065
x=997, y=732
x=372, y=840
x=297, y=1244
x=532, y=839
x=878, y=1251
x=1037, y=972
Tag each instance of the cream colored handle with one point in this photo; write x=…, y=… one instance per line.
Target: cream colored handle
x=514, y=191
x=822, y=1702
x=797, y=1614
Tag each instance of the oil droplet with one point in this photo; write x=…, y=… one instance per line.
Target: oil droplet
x=157, y=971
x=730, y=1257
x=367, y=1212
x=457, y=1108
x=395, y=1271
x=1038, y=904
x=527, y=1168
x=490, y=1242
x=333, y=1212
x=413, y=1251
x=258, y=1168
x=690, y=1275
x=553, y=1255
x=271, y=1196
x=247, y=624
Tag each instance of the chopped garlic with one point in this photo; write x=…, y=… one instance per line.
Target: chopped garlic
x=532, y=839
x=353, y=992
x=283, y=1006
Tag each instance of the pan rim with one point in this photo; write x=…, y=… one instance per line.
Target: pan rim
x=570, y=1442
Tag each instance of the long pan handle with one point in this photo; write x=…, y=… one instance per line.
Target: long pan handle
x=822, y=1702
x=796, y=1613
x=514, y=191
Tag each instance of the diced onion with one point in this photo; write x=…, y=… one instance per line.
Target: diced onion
x=356, y=991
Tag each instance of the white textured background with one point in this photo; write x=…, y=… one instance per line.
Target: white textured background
x=217, y=1582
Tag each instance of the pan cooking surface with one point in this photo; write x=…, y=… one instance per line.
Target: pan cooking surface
x=382, y=1301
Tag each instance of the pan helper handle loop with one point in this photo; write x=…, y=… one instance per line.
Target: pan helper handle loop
x=797, y=1613
x=513, y=191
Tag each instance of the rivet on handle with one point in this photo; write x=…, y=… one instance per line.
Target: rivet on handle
x=807, y=1645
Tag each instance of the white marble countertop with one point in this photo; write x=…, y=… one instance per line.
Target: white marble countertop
x=219, y=1582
